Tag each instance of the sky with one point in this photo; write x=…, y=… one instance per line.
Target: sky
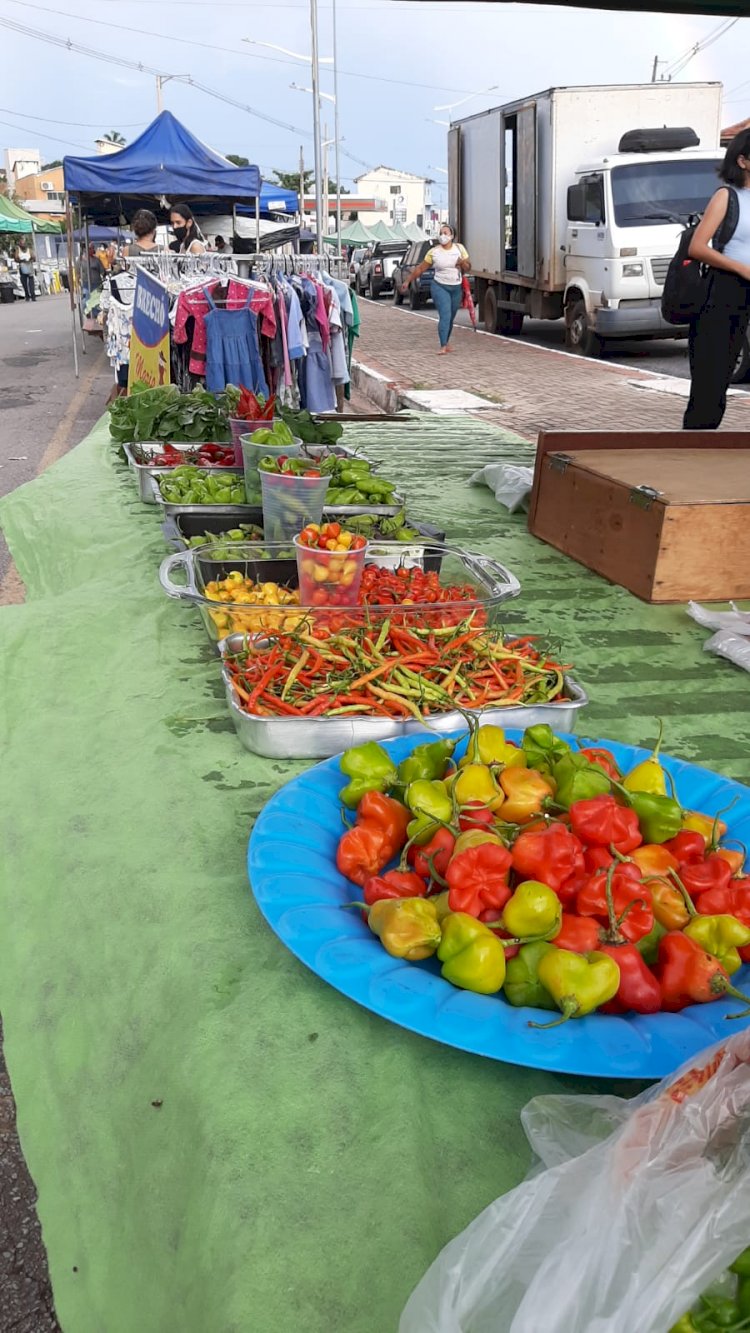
x=398, y=61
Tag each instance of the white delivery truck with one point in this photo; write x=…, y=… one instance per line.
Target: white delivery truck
x=571, y=203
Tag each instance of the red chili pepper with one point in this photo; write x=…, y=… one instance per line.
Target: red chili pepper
x=580, y=934
x=639, y=990
x=713, y=873
x=601, y=822
x=597, y=858
x=603, y=759
x=475, y=815
x=435, y=854
x=478, y=879
x=688, y=975
x=627, y=888
x=394, y=884
x=552, y=855
x=688, y=847
x=379, y=833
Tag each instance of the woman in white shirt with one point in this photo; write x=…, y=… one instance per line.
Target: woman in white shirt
x=717, y=334
x=25, y=261
x=448, y=261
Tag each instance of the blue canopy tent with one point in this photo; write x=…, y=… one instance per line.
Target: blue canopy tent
x=273, y=199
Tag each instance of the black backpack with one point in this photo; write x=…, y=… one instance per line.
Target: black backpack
x=687, y=282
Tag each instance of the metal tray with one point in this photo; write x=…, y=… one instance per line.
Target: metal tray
x=179, y=528
x=241, y=512
x=274, y=561
x=321, y=737
x=145, y=471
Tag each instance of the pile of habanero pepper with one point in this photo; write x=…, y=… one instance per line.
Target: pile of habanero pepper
x=725, y=1306
x=544, y=873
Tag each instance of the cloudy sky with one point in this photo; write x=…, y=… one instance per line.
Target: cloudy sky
x=398, y=62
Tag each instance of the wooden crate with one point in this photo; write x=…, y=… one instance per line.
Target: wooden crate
x=665, y=515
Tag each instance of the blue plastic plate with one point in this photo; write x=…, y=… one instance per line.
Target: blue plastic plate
x=292, y=868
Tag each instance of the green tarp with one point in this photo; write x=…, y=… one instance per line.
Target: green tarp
x=221, y=1142
x=13, y=218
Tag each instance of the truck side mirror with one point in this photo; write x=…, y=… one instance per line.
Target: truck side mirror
x=577, y=203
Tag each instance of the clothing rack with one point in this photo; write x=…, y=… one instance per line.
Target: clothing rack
x=265, y=262
x=166, y=264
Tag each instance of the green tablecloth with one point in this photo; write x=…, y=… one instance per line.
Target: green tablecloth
x=220, y=1141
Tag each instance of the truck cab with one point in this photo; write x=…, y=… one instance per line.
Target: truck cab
x=624, y=218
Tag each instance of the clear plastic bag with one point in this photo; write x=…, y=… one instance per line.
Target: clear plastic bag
x=634, y=1208
x=509, y=482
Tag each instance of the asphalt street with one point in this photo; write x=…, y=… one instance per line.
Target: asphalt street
x=44, y=409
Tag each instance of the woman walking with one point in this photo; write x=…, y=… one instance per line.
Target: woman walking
x=25, y=261
x=717, y=334
x=448, y=261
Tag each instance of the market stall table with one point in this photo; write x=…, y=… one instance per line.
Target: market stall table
x=220, y=1141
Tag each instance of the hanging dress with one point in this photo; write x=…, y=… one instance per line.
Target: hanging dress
x=232, y=351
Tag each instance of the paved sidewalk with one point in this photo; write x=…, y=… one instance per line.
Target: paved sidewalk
x=536, y=388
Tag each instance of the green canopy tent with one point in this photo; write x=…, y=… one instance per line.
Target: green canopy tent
x=13, y=218
x=414, y=232
x=399, y=232
x=381, y=232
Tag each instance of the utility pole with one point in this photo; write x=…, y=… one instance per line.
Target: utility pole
x=326, y=142
x=316, y=124
x=336, y=133
x=159, y=106
x=302, y=185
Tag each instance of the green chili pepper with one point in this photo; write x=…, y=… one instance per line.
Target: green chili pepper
x=370, y=768
x=684, y=1324
x=743, y=1292
x=660, y=817
x=431, y=804
x=648, y=945
x=741, y=1265
x=426, y=762
x=542, y=748
x=578, y=780
x=522, y=986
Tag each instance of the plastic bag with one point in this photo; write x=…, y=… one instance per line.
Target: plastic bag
x=736, y=621
x=510, y=483
x=735, y=647
x=637, y=1207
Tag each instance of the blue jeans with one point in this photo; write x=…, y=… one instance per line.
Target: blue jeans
x=447, y=302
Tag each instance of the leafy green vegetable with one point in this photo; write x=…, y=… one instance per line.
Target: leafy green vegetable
x=308, y=430
x=166, y=414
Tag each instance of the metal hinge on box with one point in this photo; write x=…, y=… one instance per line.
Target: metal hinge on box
x=644, y=496
x=559, y=462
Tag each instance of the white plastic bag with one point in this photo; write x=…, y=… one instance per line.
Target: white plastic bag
x=641, y=1206
x=735, y=647
x=509, y=482
x=734, y=621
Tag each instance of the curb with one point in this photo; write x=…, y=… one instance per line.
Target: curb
x=381, y=391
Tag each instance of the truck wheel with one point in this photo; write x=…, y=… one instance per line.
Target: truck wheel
x=497, y=319
x=398, y=295
x=741, y=370
x=579, y=336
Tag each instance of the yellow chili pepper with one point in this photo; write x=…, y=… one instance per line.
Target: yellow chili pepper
x=489, y=746
x=476, y=784
x=406, y=927
x=648, y=776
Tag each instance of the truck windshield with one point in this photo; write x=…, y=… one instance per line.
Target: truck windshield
x=647, y=193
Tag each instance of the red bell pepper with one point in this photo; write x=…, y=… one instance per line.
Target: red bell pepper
x=378, y=834
x=394, y=884
x=475, y=815
x=639, y=990
x=433, y=856
x=734, y=900
x=687, y=846
x=478, y=879
x=580, y=934
x=601, y=822
x=688, y=975
x=551, y=855
x=713, y=873
x=603, y=759
x=631, y=898
x=597, y=858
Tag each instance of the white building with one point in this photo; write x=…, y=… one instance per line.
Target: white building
x=408, y=198
x=21, y=162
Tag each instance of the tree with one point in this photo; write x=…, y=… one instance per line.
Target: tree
x=289, y=180
x=114, y=136
x=332, y=188
x=47, y=166
x=237, y=159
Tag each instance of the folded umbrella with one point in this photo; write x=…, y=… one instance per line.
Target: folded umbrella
x=467, y=302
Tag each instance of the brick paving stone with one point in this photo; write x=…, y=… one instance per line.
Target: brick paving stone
x=536, y=388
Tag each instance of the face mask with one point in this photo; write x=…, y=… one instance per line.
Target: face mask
x=180, y=232
x=445, y=238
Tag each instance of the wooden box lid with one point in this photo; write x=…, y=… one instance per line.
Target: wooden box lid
x=680, y=476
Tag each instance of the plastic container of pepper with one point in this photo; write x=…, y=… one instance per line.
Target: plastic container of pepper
x=330, y=578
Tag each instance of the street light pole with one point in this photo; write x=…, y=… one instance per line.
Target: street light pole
x=336, y=133
x=316, y=123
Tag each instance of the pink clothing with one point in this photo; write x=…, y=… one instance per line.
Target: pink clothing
x=193, y=304
x=321, y=316
x=285, y=341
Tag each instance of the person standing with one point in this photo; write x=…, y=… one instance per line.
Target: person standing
x=188, y=239
x=717, y=333
x=143, y=224
x=448, y=261
x=25, y=261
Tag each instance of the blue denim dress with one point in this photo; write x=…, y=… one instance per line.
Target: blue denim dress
x=232, y=350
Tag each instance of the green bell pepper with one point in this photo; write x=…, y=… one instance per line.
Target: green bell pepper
x=426, y=762
x=431, y=804
x=578, y=780
x=369, y=768
x=660, y=817
x=522, y=986
x=543, y=749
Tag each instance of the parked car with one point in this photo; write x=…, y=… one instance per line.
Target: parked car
x=354, y=264
x=376, y=270
x=419, y=291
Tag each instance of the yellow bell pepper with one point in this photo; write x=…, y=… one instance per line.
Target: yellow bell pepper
x=475, y=784
x=648, y=776
x=489, y=746
x=472, y=957
x=406, y=927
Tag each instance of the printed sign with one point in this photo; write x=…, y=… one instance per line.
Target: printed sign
x=149, y=338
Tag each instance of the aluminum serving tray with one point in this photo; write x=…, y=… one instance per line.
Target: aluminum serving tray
x=145, y=472
x=321, y=737
x=241, y=512
x=190, y=522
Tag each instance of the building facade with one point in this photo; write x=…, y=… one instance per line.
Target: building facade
x=407, y=198
x=20, y=162
x=42, y=193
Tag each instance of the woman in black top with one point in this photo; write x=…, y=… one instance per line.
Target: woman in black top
x=188, y=239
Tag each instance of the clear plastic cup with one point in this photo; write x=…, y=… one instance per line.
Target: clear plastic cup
x=329, y=578
x=252, y=452
x=289, y=503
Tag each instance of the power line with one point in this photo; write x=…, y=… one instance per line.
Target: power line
x=79, y=124
x=24, y=129
x=225, y=50
x=679, y=64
